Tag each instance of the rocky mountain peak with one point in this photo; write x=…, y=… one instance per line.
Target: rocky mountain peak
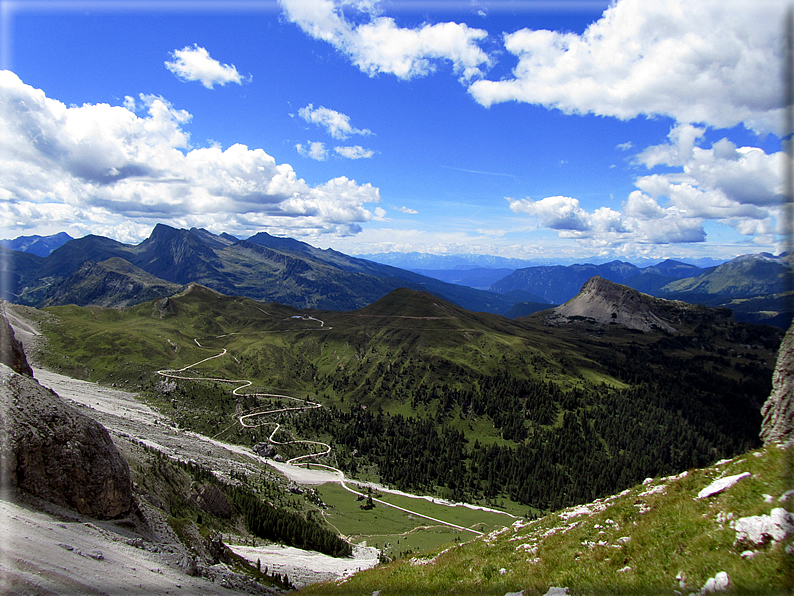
x=606, y=303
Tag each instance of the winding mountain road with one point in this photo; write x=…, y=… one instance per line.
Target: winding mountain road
x=244, y=420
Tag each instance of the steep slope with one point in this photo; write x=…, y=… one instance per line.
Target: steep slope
x=111, y=283
x=606, y=303
x=748, y=275
x=677, y=534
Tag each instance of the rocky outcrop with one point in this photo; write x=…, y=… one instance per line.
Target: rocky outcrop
x=606, y=302
x=58, y=454
x=12, y=354
x=212, y=500
x=778, y=410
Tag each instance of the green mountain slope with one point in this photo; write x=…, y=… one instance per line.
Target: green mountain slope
x=425, y=395
x=657, y=537
x=112, y=283
x=751, y=275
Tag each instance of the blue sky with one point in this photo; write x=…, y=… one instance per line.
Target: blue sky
x=531, y=129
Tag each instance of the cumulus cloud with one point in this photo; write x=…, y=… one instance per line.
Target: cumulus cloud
x=354, y=152
x=407, y=210
x=337, y=124
x=724, y=181
x=740, y=187
x=716, y=62
x=607, y=227
x=378, y=45
x=195, y=64
x=315, y=150
x=96, y=166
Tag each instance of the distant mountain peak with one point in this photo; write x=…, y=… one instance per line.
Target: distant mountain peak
x=606, y=302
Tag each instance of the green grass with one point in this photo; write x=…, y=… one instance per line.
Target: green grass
x=397, y=532
x=664, y=534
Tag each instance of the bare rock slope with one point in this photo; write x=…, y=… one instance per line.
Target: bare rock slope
x=56, y=453
x=12, y=353
x=778, y=410
x=605, y=302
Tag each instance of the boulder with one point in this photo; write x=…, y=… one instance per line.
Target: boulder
x=12, y=353
x=212, y=500
x=52, y=451
x=778, y=410
x=760, y=530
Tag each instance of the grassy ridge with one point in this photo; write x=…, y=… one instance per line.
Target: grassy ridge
x=637, y=542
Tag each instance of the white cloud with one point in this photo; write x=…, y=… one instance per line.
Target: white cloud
x=716, y=62
x=644, y=222
x=337, y=124
x=724, y=181
x=354, y=152
x=98, y=167
x=407, y=211
x=316, y=150
x=740, y=187
x=557, y=213
x=378, y=45
x=195, y=64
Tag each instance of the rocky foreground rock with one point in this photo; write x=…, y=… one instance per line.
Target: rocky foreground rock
x=54, y=452
x=778, y=410
x=12, y=353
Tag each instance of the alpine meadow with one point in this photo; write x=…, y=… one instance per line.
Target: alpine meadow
x=396, y=297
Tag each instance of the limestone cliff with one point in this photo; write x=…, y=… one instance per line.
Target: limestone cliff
x=11, y=352
x=778, y=410
x=49, y=449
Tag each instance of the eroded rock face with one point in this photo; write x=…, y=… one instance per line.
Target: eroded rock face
x=12, y=353
x=54, y=452
x=606, y=302
x=778, y=410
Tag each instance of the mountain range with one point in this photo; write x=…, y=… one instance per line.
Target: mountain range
x=263, y=267
x=37, y=245
x=103, y=272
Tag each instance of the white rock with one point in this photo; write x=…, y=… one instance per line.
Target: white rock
x=625, y=569
x=557, y=592
x=521, y=593
x=768, y=498
x=647, y=481
x=720, y=485
x=718, y=583
x=748, y=554
x=761, y=529
x=502, y=571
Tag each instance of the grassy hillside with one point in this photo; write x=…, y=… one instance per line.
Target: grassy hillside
x=426, y=396
x=653, y=538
